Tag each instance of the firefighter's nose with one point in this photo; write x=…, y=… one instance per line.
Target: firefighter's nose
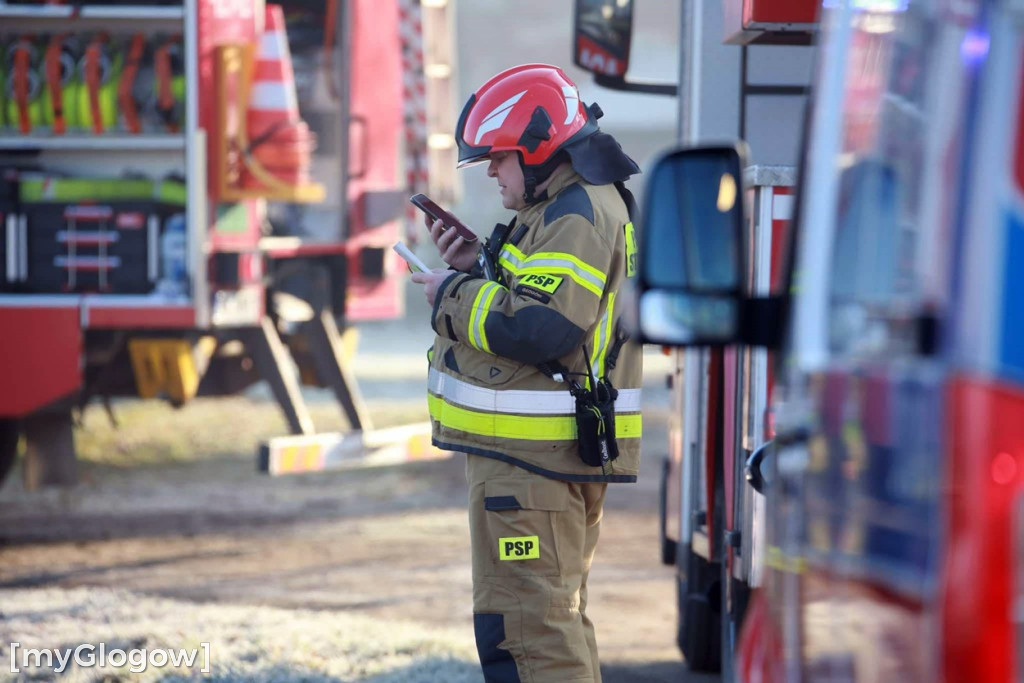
x=492, y=169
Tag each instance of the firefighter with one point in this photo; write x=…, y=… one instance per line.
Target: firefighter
x=531, y=373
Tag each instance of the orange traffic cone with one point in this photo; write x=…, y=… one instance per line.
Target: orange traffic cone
x=278, y=140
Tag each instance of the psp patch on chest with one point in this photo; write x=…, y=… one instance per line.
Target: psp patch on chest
x=519, y=548
x=542, y=281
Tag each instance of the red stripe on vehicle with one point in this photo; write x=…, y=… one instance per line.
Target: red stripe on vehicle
x=152, y=318
x=985, y=480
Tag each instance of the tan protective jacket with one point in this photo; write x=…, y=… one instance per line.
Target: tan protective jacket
x=557, y=293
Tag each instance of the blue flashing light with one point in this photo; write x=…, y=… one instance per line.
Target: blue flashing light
x=880, y=6
x=975, y=45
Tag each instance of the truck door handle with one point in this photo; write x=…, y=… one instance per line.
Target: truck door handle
x=364, y=146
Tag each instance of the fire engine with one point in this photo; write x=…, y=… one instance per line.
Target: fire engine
x=844, y=488
x=198, y=195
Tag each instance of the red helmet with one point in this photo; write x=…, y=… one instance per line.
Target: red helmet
x=533, y=109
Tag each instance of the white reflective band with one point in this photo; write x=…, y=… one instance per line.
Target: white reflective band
x=270, y=46
x=272, y=96
x=572, y=103
x=517, y=401
x=782, y=207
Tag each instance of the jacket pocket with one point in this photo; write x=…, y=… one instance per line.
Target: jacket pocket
x=485, y=369
x=519, y=519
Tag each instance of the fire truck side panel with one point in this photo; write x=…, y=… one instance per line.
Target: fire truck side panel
x=891, y=526
x=981, y=617
x=46, y=341
x=374, y=136
x=219, y=23
x=981, y=580
x=229, y=231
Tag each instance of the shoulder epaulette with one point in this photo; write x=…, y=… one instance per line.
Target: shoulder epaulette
x=572, y=200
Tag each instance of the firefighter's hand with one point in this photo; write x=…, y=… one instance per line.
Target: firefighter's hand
x=432, y=281
x=454, y=250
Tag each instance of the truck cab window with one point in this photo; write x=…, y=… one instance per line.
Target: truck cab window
x=873, y=294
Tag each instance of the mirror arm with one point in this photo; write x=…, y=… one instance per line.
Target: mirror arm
x=752, y=471
x=761, y=322
x=620, y=83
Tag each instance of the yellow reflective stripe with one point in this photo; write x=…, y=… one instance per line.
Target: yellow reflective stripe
x=525, y=427
x=553, y=262
x=473, y=311
x=514, y=250
x=483, y=317
x=630, y=250
x=479, y=314
x=602, y=335
x=509, y=265
x=629, y=426
x=558, y=256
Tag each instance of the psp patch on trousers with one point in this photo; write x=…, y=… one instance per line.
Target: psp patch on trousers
x=519, y=548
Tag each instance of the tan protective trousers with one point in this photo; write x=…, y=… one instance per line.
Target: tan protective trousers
x=533, y=540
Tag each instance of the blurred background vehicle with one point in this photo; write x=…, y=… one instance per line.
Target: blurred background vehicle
x=170, y=537
x=199, y=196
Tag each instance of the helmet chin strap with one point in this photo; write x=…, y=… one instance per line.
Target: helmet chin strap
x=537, y=175
x=537, y=131
x=531, y=183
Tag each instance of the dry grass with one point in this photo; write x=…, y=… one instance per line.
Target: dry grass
x=154, y=433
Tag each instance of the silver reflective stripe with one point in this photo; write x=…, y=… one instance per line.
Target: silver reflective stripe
x=564, y=263
x=23, y=247
x=152, y=245
x=542, y=263
x=512, y=258
x=517, y=401
x=12, y=248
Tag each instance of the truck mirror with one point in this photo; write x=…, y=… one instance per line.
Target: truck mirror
x=603, y=30
x=691, y=260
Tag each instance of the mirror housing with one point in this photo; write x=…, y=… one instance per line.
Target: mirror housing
x=691, y=287
x=602, y=33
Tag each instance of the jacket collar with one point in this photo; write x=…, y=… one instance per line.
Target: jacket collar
x=560, y=179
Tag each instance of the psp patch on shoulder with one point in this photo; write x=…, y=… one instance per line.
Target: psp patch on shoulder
x=519, y=548
x=542, y=281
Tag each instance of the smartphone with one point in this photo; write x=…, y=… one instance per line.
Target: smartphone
x=427, y=206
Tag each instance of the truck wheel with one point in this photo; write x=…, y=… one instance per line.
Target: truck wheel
x=700, y=624
x=8, y=447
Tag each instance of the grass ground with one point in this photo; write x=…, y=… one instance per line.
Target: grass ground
x=155, y=433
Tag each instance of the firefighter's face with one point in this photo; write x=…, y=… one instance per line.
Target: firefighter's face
x=505, y=168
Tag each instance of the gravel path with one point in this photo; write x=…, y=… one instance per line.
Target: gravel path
x=246, y=643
